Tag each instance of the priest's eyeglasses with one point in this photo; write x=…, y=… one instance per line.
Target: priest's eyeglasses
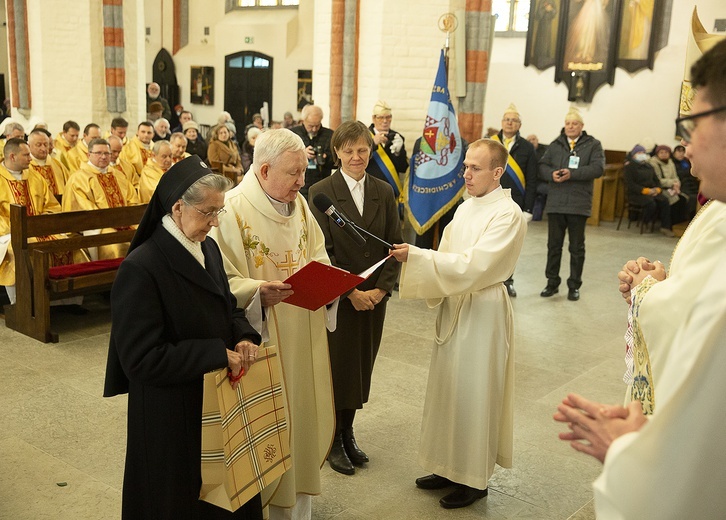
x=210, y=215
x=686, y=125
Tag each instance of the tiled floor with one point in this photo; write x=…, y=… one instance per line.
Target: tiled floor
x=55, y=428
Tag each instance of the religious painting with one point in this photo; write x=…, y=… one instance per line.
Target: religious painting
x=202, y=86
x=544, y=20
x=304, y=88
x=641, y=33
x=588, y=33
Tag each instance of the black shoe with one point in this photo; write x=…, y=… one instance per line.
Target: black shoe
x=338, y=459
x=511, y=291
x=355, y=454
x=573, y=295
x=433, y=482
x=549, y=291
x=462, y=497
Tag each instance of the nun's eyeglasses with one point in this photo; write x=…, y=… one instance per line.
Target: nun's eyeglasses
x=210, y=215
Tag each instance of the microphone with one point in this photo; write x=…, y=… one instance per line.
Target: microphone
x=324, y=204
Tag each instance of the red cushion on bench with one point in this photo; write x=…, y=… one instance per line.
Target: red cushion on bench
x=96, y=266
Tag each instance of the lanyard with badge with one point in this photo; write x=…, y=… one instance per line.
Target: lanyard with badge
x=574, y=160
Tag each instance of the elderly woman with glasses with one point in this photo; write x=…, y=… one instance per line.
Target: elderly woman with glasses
x=174, y=319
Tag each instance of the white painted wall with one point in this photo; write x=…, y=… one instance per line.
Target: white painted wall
x=284, y=34
x=67, y=63
x=637, y=106
x=398, y=61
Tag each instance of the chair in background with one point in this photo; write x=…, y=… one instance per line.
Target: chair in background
x=636, y=212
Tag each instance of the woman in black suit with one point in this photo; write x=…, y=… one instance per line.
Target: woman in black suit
x=174, y=319
x=370, y=203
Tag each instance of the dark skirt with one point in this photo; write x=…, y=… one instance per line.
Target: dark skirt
x=353, y=350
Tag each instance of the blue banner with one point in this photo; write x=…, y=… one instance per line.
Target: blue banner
x=436, y=180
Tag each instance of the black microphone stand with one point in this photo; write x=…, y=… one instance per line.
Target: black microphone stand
x=365, y=231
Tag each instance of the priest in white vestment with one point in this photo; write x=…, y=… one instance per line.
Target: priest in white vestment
x=671, y=465
x=268, y=234
x=468, y=414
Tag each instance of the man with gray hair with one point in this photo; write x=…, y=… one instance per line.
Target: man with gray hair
x=154, y=169
x=153, y=93
x=12, y=130
x=317, y=146
x=268, y=235
x=162, y=130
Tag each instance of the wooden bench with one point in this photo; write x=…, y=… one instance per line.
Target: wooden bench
x=37, y=283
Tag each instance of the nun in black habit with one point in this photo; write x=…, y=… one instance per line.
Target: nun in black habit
x=174, y=319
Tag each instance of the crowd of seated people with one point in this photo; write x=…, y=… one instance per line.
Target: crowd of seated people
x=662, y=177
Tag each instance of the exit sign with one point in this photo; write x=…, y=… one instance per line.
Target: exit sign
x=249, y=39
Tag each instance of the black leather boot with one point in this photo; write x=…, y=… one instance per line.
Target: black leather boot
x=355, y=454
x=338, y=459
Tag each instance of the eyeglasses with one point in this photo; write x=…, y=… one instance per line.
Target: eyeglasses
x=102, y=154
x=210, y=215
x=686, y=125
x=384, y=118
x=510, y=120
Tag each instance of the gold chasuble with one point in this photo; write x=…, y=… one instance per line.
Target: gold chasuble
x=175, y=160
x=33, y=193
x=73, y=158
x=259, y=244
x=60, y=145
x=150, y=177
x=89, y=189
x=128, y=171
x=53, y=172
x=136, y=154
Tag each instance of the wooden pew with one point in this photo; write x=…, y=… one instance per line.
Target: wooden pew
x=37, y=284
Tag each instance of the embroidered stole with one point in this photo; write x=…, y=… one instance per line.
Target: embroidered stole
x=21, y=196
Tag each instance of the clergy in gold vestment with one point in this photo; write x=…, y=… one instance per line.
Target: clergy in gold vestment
x=73, y=158
x=268, y=234
x=178, y=144
x=468, y=414
x=155, y=167
x=51, y=170
x=120, y=165
x=18, y=185
x=95, y=186
x=671, y=464
x=138, y=150
x=66, y=139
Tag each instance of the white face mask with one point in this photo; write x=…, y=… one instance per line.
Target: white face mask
x=640, y=157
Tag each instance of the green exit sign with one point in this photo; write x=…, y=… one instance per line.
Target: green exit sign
x=249, y=39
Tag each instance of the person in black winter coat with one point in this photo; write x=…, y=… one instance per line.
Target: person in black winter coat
x=570, y=165
x=643, y=188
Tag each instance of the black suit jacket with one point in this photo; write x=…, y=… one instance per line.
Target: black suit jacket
x=400, y=161
x=380, y=217
x=523, y=152
x=322, y=139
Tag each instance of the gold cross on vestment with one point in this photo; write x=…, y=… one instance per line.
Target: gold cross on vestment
x=289, y=264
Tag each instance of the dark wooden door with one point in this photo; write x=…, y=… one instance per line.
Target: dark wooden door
x=247, y=85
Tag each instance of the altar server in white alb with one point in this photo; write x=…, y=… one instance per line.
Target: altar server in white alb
x=468, y=415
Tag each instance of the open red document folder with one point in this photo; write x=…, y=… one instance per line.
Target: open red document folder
x=317, y=284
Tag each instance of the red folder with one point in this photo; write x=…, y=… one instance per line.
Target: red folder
x=317, y=284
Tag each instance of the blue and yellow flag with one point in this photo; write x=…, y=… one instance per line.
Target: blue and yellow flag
x=436, y=181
